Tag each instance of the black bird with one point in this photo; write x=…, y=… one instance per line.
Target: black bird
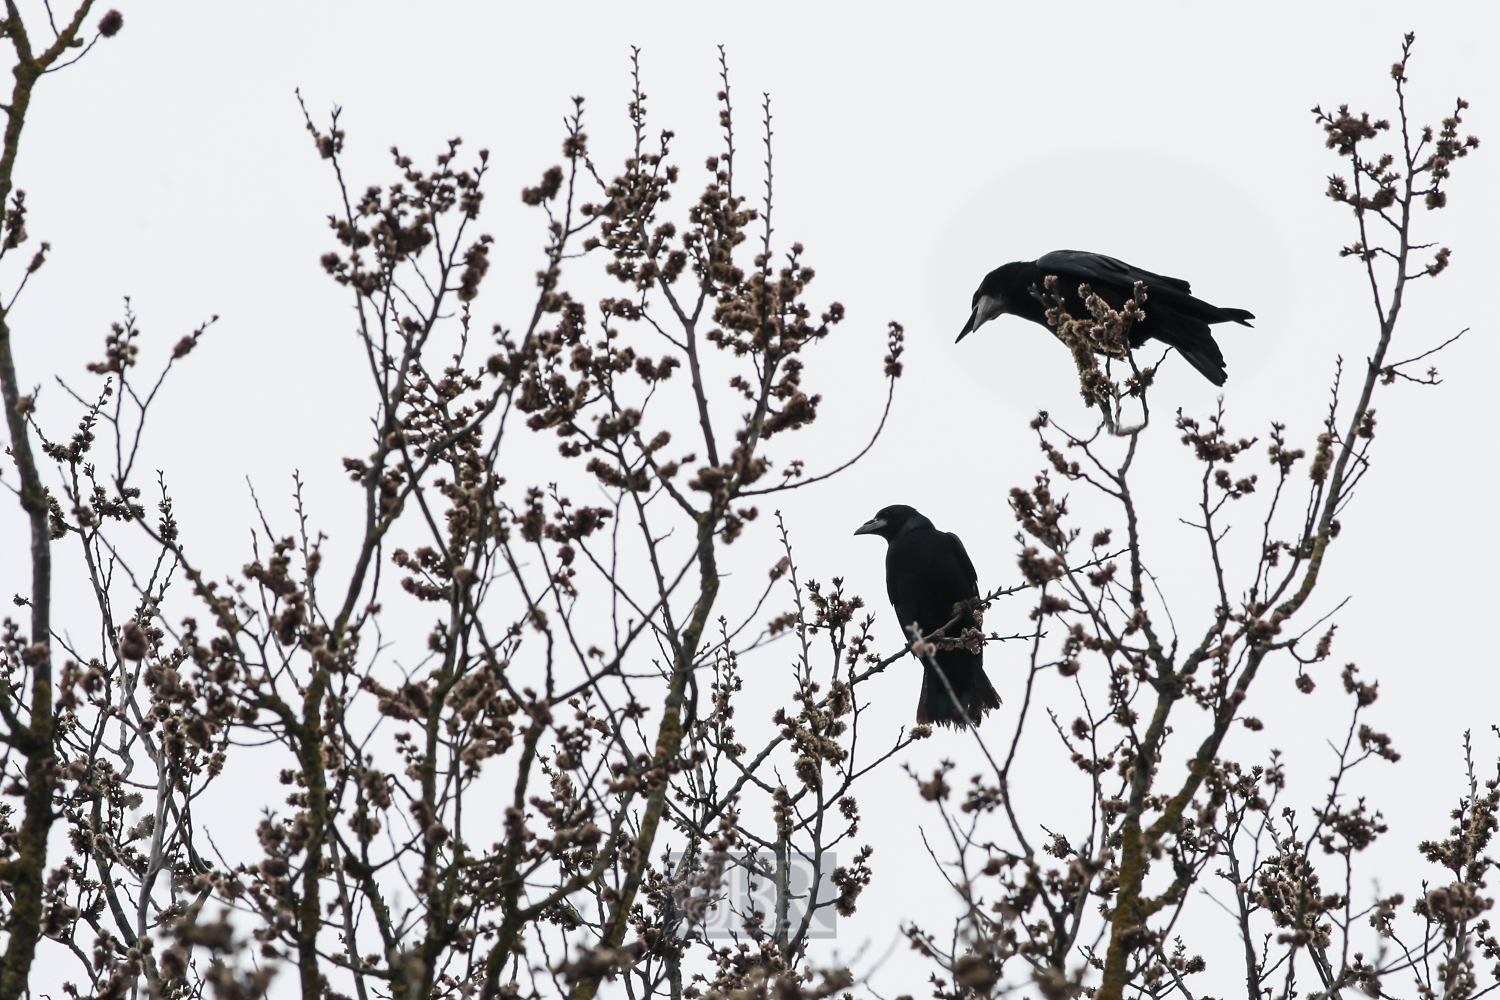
x=1173, y=315
x=927, y=573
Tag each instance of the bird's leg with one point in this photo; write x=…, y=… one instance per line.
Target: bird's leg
x=1105, y=407
x=1139, y=382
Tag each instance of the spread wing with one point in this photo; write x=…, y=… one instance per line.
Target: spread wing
x=1097, y=268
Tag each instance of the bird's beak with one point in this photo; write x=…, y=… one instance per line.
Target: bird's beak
x=985, y=309
x=871, y=527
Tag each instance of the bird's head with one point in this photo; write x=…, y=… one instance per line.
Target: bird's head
x=993, y=296
x=888, y=521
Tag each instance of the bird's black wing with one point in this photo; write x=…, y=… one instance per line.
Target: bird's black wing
x=962, y=693
x=1096, y=267
x=899, y=571
x=1173, y=315
x=964, y=561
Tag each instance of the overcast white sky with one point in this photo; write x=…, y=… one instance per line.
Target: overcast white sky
x=916, y=149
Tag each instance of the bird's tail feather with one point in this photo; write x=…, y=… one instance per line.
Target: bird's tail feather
x=1240, y=316
x=1190, y=305
x=972, y=688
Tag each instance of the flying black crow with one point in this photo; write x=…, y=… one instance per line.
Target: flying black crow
x=928, y=573
x=1173, y=315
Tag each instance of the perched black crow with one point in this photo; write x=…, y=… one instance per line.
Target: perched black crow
x=1173, y=316
x=927, y=573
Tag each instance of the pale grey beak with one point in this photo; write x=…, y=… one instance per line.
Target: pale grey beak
x=871, y=527
x=986, y=309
